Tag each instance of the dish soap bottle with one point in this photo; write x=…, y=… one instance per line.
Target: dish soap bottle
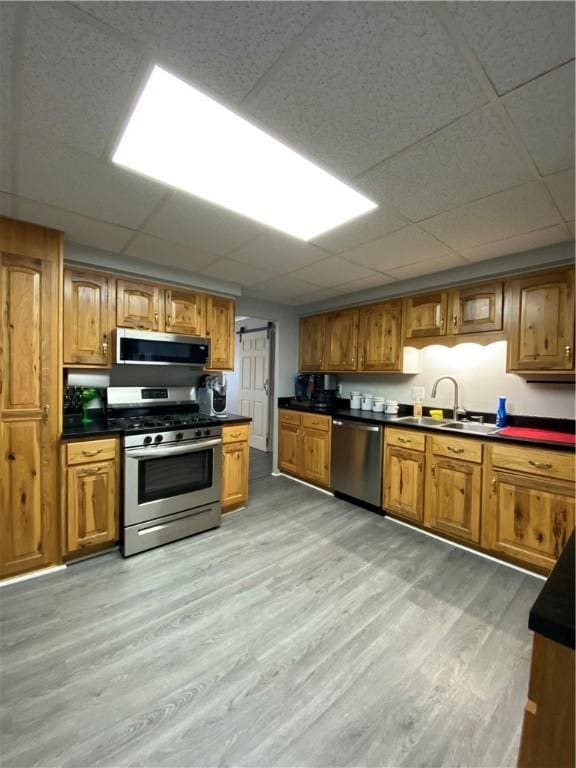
x=501, y=416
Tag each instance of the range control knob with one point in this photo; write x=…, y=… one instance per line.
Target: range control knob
x=206, y=432
x=158, y=439
x=198, y=433
x=147, y=440
x=179, y=435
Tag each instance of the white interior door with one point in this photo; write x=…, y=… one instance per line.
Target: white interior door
x=254, y=367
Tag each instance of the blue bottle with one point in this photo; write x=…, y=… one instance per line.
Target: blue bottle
x=501, y=416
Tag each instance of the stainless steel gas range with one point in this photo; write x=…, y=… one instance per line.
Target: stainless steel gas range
x=172, y=465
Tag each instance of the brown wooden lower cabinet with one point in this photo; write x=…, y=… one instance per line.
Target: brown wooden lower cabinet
x=404, y=482
x=90, y=490
x=235, y=466
x=304, y=442
x=548, y=729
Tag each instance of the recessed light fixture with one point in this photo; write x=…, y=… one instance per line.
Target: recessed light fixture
x=181, y=137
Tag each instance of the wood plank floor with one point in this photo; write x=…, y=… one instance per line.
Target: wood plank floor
x=260, y=464
x=304, y=632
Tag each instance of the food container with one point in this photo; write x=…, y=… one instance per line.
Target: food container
x=367, y=401
x=391, y=407
x=355, y=400
x=379, y=405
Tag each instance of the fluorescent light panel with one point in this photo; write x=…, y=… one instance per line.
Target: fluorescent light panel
x=182, y=137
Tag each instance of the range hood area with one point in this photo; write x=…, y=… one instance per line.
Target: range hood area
x=138, y=347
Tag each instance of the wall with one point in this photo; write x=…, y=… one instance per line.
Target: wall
x=481, y=375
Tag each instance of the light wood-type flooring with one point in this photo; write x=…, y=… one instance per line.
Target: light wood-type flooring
x=304, y=632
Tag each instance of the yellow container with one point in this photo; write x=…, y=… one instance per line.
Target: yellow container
x=437, y=413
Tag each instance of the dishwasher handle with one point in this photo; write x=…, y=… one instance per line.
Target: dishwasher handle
x=355, y=425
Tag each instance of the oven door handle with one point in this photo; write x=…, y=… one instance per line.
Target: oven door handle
x=158, y=453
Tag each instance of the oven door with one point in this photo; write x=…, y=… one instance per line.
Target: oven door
x=164, y=480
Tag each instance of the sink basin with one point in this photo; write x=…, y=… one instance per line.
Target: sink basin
x=470, y=426
x=423, y=421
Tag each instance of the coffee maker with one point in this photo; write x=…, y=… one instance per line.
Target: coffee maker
x=324, y=392
x=211, y=395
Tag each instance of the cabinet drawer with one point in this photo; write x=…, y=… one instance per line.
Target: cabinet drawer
x=90, y=451
x=534, y=461
x=314, y=421
x=412, y=439
x=457, y=448
x=237, y=433
x=290, y=417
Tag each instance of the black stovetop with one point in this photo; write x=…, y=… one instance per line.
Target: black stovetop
x=156, y=421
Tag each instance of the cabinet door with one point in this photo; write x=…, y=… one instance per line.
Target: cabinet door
x=316, y=456
x=220, y=314
x=477, y=309
x=137, y=305
x=380, y=337
x=540, y=322
x=29, y=341
x=91, y=517
x=87, y=314
x=426, y=315
x=312, y=337
x=234, y=474
x=527, y=517
x=341, y=350
x=453, y=491
x=289, y=448
x=185, y=312
x=404, y=482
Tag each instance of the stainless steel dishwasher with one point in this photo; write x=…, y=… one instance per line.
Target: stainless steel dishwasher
x=357, y=460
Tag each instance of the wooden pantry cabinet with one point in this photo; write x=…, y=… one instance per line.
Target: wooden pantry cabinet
x=30, y=395
x=88, y=318
x=540, y=322
x=235, y=465
x=304, y=446
x=90, y=501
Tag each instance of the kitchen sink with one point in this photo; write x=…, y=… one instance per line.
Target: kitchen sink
x=423, y=421
x=469, y=426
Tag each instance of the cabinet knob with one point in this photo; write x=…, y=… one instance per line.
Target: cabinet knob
x=455, y=321
x=494, y=485
x=92, y=453
x=11, y=457
x=45, y=413
x=105, y=344
x=568, y=351
x=455, y=450
x=404, y=440
x=434, y=470
x=540, y=464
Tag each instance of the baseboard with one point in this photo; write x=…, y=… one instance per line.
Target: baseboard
x=303, y=482
x=32, y=575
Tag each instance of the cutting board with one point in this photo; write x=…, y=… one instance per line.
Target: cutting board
x=538, y=434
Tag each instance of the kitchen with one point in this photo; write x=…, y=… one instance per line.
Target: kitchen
x=375, y=598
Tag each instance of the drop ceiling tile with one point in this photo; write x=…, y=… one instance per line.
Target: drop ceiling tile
x=472, y=158
x=375, y=281
x=223, y=46
x=65, y=178
x=235, y=272
x=428, y=267
x=278, y=252
x=372, y=79
x=164, y=252
x=497, y=217
x=517, y=41
x=525, y=242
x=368, y=227
x=77, y=80
x=332, y=271
x=543, y=112
x=406, y=246
x=198, y=224
x=285, y=289
x=561, y=186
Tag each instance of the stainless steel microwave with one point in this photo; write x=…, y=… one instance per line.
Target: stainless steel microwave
x=135, y=347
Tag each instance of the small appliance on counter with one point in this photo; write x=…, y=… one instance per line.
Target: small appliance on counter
x=212, y=395
x=318, y=390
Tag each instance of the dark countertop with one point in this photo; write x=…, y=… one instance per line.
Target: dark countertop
x=552, y=614
x=369, y=417
x=73, y=427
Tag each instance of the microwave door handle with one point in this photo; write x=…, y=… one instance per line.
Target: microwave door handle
x=157, y=453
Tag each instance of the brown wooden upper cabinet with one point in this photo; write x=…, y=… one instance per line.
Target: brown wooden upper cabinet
x=476, y=309
x=220, y=313
x=426, y=315
x=88, y=318
x=185, y=312
x=312, y=337
x=137, y=305
x=380, y=337
x=540, y=322
x=341, y=348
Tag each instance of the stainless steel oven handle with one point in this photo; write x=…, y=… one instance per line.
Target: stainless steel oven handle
x=156, y=453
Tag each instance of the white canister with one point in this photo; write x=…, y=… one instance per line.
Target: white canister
x=378, y=405
x=392, y=406
x=355, y=400
x=367, y=401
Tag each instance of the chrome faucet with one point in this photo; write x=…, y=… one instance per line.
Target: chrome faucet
x=457, y=410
